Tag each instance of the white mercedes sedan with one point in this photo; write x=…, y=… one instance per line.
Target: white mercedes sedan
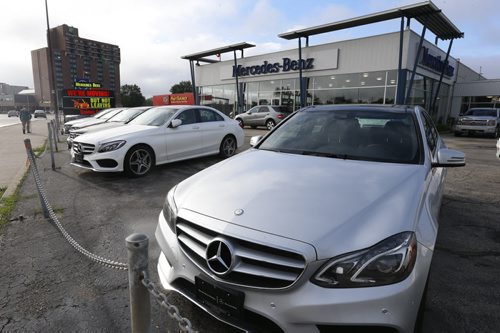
x=327, y=224
x=157, y=136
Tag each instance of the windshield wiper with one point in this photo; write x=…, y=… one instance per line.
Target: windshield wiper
x=332, y=155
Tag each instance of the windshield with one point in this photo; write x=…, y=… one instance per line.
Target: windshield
x=110, y=114
x=371, y=135
x=482, y=112
x=126, y=115
x=102, y=113
x=154, y=116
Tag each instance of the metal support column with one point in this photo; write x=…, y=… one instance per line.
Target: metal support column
x=301, y=81
x=408, y=92
x=442, y=74
x=193, y=83
x=238, y=104
x=53, y=86
x=401, y=81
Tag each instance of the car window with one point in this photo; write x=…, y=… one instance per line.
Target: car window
x=254, y=109
x=154, y=117
x=110, y=114
x=282, y=109
x=481, y=113
x=360, y=134
x=263, y=109
x=188, y=117
x=209, y=115
x=431, y=133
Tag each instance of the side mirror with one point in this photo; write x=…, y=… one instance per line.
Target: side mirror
x=254, y=140
x=175, y=123
x=449, y=158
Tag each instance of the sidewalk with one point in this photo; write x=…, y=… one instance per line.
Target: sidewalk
x=13, y=152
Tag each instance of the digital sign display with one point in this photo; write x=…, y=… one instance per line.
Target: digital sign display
x=87, y=101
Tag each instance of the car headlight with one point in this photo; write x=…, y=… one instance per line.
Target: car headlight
x=491, y=122
x=110, y=146
x=387, y=262
x=170, y=209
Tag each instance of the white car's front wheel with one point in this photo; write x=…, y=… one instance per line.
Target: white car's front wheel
x=138, y=161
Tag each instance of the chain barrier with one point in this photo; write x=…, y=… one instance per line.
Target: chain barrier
x=172, y=310
x=55, y=220
x=160, y=297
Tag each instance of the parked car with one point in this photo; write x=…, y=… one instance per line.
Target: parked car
x=82, y=120
x=97, y=120
x=263, y=115
x=329, y=221
x=479, y=121
x=157, y=136
x=39, y=114
x=13, y=113
x=118, y=119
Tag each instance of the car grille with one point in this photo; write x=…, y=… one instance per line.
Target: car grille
x=83, y=148
x=471, y=122
x=258, y=265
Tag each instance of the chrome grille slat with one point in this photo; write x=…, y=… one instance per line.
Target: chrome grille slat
x=268, y=257
x=193, y=246
x=256, y=265
x=264, y=272
x=197, y=234
x=84, y=148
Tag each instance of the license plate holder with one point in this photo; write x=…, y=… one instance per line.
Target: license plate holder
x=224, y=300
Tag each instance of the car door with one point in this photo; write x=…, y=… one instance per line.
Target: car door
x=213, y=129
x=250, y=116
x=435, y=176
x=260, y=116
x=184, y=141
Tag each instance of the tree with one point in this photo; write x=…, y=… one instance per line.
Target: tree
x=131, y=95
x=182, y=87
x=149, y=101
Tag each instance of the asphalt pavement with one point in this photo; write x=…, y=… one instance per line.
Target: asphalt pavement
x=46, y=286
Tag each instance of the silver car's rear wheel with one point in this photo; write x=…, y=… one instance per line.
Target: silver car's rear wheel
x=270, y=124
x=139, y=161
x=228, y=146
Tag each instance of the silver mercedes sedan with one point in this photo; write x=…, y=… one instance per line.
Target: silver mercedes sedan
x=329, y=222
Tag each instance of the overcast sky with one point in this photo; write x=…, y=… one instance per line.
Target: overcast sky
x=154, y=34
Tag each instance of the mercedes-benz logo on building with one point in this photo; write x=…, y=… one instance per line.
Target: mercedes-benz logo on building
x=220, y=256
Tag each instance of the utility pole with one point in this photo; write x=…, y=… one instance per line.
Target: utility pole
x=53, y=95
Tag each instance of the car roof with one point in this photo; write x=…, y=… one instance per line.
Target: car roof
x=357, y=107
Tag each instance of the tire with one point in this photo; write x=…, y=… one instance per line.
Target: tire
x=270, y=124
x=228, y=146
x=240, y=121
x=496, y=135
x=457, y=133
x=139, y=160
x=253, y=127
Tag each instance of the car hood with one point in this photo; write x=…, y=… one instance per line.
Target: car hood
x=117, y=133
x=88, y=123
x=335, y=205
x=98, y=127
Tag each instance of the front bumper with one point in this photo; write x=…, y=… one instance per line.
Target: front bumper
x=475, y=129
x=101, y=162
x=303, y=307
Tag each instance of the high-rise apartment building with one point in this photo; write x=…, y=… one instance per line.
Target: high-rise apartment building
x=75, y=59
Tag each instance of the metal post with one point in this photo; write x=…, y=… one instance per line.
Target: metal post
x=442, y=74
x=51, y=146
x=238, y=109
x=400, y=92
x=407, y=96
x=54, y=134
x=140, y=306
x=193, y=82
x=301, y=81
x=31, y=158
x=51, y=66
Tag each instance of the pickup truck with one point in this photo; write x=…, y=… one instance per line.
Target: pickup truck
x=479, y=121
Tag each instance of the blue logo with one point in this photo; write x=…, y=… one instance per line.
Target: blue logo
x=435, y=63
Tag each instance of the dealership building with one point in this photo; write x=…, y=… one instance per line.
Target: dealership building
x=399, y=67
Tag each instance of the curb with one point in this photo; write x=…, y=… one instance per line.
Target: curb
x=14, y=183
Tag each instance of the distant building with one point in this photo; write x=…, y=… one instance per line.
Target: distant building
x=8, y=96
x=76, y=59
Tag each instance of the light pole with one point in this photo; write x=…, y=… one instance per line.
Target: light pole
x=53, y=95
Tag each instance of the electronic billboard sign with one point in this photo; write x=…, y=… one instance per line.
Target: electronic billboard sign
x=87, y=101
